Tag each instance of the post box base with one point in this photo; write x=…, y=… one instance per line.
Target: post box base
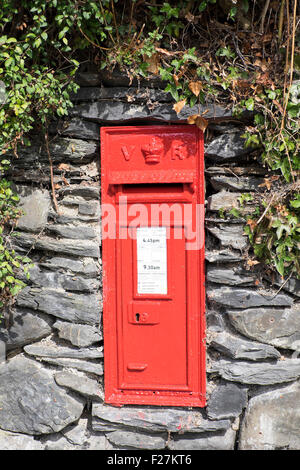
x=156, y=399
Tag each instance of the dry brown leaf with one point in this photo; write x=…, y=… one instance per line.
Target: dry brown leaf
x=195, y=87
x=63, y=166
x=252, y=224
x=57, y=186
x=179, y=105
x=252, y=262
x=192, y=119
x=176, y=80
x=267, y=183
x=154, y=63
x=200, y=122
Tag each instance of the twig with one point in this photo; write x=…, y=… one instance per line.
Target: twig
x=291, y=64
x=93, y=43
x=266, y=210
x=281, y=287
x=263, y=16
x=280, y=22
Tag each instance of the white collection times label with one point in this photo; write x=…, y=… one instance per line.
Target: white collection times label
x=152, y=260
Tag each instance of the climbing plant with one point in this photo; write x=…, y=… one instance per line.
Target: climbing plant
x=231, y=51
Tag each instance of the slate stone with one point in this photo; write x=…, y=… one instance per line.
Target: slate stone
x=57, y=442
x=88, y=78
x=137, y=440
x=98, y=441
x=75, y=151
x=258, y=373
x=77, y=433
x=92, y=192
x=292, y=285
x=126, y=94
x=227, y=147
x=2, y=351
x=81, y=384
x=244, y=183
x=57, y=280
x=227, y=401
x=222, y=256
x=77, y=308
x=15, y=441
x=117, y=78
x=87, y=267
x=230, y=235
x=44, y=350
x=233, y=276
x=62, y=246
x=209, y=441
x=237, y=170
x=78, y=335
x=73, y=437
x=25, y=327
x=279, y=327
x=31, y=401
x=84, y=366
x=35, y=204
x=272, y=421
x=237, y=348
x=214, y=321
x=77, y=128
x=245, y=298
x=223, y=200
x=109, y=418
x=109, y=112
x=88, y=208
x=78, y=232
x=62, y=149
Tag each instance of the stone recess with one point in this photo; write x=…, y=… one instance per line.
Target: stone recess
x=53, y=332
x=272, y=421
x=31, y=402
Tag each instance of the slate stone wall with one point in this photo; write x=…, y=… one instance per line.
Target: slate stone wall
x=51, y=385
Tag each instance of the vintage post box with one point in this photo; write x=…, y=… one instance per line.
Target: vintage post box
x=153, y=265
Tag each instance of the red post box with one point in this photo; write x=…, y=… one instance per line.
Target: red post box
x=153, y=265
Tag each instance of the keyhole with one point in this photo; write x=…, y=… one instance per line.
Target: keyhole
x=137, y=317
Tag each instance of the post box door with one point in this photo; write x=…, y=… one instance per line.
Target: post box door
x=153, y=317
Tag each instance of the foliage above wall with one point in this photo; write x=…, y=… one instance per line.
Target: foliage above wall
x=234, y=51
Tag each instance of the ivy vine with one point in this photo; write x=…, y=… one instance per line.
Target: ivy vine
x=230, y=51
